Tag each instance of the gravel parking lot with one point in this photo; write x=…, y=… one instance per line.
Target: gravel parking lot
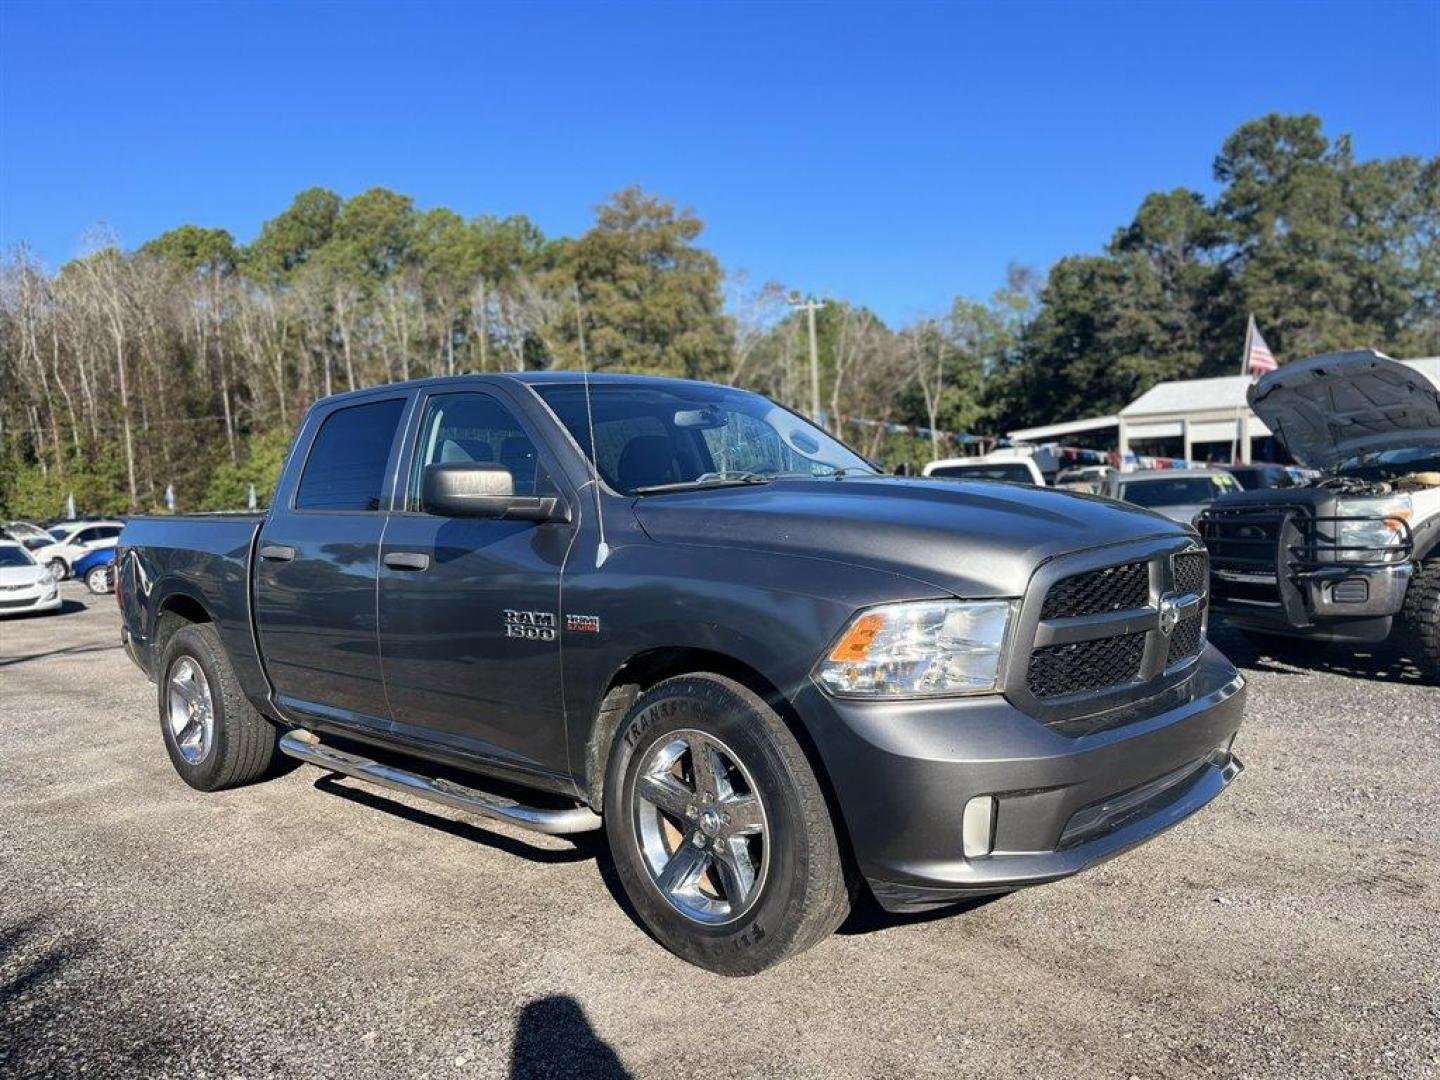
x=307, y=927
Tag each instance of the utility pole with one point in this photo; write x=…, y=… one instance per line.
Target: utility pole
x=811, y=305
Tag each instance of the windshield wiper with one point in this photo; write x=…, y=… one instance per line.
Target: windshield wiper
x=707, y=481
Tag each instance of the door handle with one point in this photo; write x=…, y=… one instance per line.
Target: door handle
x=407, y=560
x=277, y=552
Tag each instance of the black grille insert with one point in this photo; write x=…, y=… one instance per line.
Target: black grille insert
x=1191, y=573
x=1085, y=665
x=1113, y=588
x=1184, y=641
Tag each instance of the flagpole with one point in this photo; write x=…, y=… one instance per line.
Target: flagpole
x=1244, y=370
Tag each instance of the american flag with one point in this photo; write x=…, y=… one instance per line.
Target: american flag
x=1258, y=357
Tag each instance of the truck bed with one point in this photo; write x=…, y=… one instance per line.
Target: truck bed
x=161, y=559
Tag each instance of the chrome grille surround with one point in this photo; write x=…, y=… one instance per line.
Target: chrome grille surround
x=1064, y=666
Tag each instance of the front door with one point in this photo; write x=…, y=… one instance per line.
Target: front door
x=315, y=570
x=469, y=607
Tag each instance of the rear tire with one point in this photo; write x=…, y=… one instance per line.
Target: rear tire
x=213, y=735
x=1420, y=619
x=97, y=580
x=732, y=864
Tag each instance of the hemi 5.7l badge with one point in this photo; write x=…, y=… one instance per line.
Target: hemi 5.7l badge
x=534, y=625
x=582, y=624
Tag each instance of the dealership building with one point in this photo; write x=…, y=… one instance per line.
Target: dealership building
x=1193, y=420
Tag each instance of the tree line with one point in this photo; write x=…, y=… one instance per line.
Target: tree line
x=188, y=362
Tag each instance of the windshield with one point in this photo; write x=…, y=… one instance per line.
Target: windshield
x=1253, y=479
x=1383, y=463
x=656, y=436
x=1177, y=490
x=35, y=543
x=1014, y=472
x=14, y=556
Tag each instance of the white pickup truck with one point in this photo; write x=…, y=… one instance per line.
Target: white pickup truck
x=1354, y=555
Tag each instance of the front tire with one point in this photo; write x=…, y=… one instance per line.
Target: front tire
x=59, y=568
x=98, y=580
x=1420, y=619
x=720, y=832
x=213, y=735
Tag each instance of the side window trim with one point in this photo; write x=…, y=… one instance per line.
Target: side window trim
x=312, y=430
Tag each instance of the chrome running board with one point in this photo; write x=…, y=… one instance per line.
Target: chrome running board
x=306, y=746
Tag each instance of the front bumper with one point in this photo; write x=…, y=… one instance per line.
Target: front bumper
x=23, y=602
x=1339, y=602
x=903, y=772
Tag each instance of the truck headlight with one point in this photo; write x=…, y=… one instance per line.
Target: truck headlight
x=936, y=648
x=1385, y=529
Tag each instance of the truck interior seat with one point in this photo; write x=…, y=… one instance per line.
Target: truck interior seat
x=453, y=451
x=647, y=460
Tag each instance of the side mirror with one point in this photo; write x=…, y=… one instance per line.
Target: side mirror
x=484, y=490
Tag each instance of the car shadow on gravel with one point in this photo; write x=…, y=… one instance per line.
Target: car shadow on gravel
x=69, y=650
x=67, y=607
x=587, y=845
x=867, y=916
x=1297, y=656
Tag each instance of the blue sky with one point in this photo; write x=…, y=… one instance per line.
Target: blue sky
x=895, y=154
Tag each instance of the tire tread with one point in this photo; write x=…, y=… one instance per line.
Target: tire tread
x=1420, y=618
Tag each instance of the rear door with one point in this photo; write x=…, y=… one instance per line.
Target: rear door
x=315, y=566
x=469, y=607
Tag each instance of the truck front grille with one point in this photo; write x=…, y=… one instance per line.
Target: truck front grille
x=1111, y=588
x=1056, y=670
x=1100, y=640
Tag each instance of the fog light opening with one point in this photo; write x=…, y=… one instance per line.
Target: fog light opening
x=977, y=827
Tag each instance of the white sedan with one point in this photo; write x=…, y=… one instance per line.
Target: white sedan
x=72, y=539
x=25, y=585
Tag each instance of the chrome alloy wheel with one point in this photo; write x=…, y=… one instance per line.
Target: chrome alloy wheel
x=191, y=710
x=701, y=827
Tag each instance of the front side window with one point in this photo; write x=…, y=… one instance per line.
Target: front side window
x=346, y=466
x=471, y=427
x=657, y=436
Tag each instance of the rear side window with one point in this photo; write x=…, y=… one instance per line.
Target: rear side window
x=346, y=466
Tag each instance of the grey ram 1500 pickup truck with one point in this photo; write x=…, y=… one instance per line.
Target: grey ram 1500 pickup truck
x=685, y=614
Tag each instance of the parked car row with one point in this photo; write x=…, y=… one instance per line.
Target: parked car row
x=64, y=544
x=1179, y=494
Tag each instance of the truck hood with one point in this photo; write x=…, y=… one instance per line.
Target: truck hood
x=1329, y=409
x=969, y=538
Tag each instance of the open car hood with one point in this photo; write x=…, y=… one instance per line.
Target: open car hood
x=1328, y=409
